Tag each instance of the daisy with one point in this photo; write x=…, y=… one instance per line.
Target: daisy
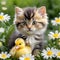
x=4, y=55
x=3, y=17
x=3, y=3
x=56, y=21
x=57, y=53
x=53, y=35
x=1, y=30
x=48, y=53
x=27, y=57
x=4, y=8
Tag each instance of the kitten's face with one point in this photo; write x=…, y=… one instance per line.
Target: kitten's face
x=30, y=19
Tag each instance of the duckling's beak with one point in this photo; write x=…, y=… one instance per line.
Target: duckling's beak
x=17, y=47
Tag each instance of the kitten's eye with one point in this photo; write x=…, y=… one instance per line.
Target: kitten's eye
x=22, y=23
x=34, y=22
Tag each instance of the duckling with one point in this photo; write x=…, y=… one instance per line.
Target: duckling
x=20, y=48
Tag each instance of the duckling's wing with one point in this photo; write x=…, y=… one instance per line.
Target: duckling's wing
x=13, y=51
x=28, y=49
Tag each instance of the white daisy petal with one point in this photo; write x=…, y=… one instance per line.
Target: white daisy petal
x=4, y=8
x=56, y=31
x=51, y=33
x=47, y=48
x=1, y=30
x=3, y=3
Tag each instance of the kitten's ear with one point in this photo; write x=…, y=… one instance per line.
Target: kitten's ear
x=18, y=10
x=42, y=10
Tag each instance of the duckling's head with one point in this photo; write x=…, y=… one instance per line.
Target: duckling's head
x=20, y=42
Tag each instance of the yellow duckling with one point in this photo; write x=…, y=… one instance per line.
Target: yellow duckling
x=20, y=48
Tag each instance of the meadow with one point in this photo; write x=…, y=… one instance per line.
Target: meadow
x=7, y=11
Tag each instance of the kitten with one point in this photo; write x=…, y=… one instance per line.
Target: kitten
x=30, y=24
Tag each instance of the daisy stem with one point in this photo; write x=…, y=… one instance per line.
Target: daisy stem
x=56, y=43
x=4, y=24
x=59, y=28
x=49, y=59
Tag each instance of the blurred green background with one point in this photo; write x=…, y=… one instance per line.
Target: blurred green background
x=52, y=6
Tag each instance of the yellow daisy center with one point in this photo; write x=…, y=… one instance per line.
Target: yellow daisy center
x=1, y=17
x=55, y=35
x=27, y=58
x=3, y=55
x=49, y=53
x=58, y=54
x=58, y=20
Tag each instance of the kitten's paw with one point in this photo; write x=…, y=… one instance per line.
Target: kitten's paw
x=36, y=52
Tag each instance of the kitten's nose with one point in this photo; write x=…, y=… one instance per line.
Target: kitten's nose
x=29, y=27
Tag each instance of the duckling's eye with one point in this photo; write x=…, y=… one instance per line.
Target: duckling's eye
x=20, y=44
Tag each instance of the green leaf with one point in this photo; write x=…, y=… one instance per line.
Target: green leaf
x=9, y=32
